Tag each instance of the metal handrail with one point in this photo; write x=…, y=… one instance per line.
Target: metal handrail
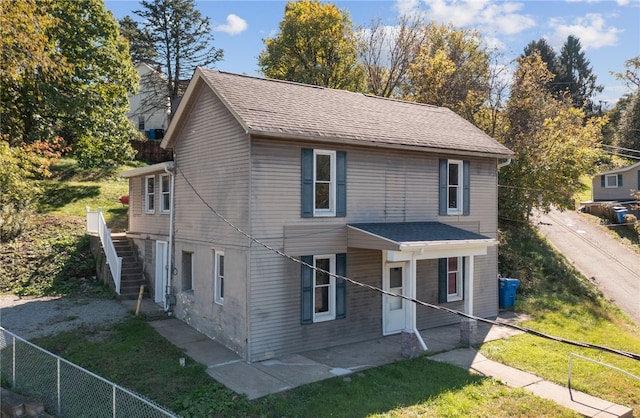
x=572, y=355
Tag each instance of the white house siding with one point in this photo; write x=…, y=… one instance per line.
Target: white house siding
x=141, y=223
x=213, y=155
x=630, y=181
x=382, y=186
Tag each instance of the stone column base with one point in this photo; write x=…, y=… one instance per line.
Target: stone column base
x=410, y=344
x=468, y=331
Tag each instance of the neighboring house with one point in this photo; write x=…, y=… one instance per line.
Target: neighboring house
x=149, y=108
x=396, y=195
x=616, y=185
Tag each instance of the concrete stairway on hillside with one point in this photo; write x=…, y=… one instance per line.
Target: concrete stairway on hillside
x=131, y=277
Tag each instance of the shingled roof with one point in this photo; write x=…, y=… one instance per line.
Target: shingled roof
x=275, y=108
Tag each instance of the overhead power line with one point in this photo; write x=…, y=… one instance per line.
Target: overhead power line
x=623, y=353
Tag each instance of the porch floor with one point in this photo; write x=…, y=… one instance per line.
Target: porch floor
x=283, y=373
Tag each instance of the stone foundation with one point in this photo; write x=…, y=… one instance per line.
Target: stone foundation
x=410, y=344
x=468, y=331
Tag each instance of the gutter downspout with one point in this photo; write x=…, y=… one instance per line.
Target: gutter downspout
x=504, y=164
x=167, y=290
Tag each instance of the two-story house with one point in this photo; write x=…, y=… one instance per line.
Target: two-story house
x=279, y=191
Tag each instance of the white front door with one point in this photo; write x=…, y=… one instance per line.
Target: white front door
x=162, y=270
x=393, y=308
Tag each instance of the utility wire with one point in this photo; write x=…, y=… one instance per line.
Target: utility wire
x=623, y=353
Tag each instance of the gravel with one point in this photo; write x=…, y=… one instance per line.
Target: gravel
x=37, y=317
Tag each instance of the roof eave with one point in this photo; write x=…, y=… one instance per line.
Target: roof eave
x=386, y=145
x=447, y=244
x=150, y=169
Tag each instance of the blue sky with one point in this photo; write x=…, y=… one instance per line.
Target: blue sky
x=609, y=30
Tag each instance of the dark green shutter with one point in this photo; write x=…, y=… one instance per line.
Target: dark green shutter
x=619, y=180
x=638, y=179
x=466, y=187
x=442, y=280
x=307, y=183
x=341, y=184
x=341, y=286
x=602, y=182
x=306, y=304
x=443, y=187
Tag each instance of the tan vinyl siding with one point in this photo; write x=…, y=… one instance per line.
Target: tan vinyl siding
x=630, y=181
x=212, y=173
x=382, y=186
x=139, y=221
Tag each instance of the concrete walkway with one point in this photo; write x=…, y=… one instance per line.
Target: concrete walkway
x=289, y=371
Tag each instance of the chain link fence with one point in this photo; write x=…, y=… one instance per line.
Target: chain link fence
x=67, y=390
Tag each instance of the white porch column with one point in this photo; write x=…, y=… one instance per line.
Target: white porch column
x=411, y=338
x=468, y=283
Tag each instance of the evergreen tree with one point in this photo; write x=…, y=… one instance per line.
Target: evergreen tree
x=575, y=76
x=181, y=40
x=549, y=57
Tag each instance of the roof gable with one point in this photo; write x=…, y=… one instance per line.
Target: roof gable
x=275, y=108
x=621, y=170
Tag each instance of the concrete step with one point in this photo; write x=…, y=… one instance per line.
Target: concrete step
x=14, y=405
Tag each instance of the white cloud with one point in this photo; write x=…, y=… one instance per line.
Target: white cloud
x=235, y=24
x=590, y=29
x=492, y=17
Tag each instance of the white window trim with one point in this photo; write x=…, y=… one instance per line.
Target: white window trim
x=458, y=210
x=609, y=185
x=219, y=299
x=331, y=314
x=149, y=196
x=163, y=192
x=453, y=297
x=332, y=184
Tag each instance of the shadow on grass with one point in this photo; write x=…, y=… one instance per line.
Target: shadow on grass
x=117, y=218
x=57, y=195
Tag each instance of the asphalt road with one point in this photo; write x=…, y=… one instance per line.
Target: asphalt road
x=614, y=267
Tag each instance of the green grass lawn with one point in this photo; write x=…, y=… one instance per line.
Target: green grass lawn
x=565, y=304
x=71, y=190
x=140, y=359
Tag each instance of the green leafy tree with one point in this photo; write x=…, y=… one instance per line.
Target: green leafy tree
x=575, y=76
x=180, y=39
x=553, y=145
x=628, y=132
x=75, y=85
x=451, y=69
x=316, y=45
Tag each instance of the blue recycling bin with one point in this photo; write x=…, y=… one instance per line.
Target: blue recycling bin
x=507, y=291
x=620, y=211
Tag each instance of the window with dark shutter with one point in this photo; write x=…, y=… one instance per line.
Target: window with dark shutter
x=324, y=183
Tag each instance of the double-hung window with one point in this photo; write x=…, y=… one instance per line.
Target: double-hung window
x=324, y=183
x=165, y=193
x=323, y=294
x=454, y=187
x=150, y=194
x=612, y=181
x=451, y=279
x=219, y=276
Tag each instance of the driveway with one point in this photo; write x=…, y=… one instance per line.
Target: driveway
x=613, y=267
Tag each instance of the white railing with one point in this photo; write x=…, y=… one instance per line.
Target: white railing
x=97, y=225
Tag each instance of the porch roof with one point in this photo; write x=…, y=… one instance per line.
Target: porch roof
x=412, y=236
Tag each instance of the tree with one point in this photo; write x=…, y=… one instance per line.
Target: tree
x=631, y=75
x=76, y=86
x=181, y=40
x=140, y=46
x=316, y=45
x=549, y=57
x=628, y=132
x=388, y=51
x=29, y=59
x=451, y=69
x=553, y=145
x=575, y=76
